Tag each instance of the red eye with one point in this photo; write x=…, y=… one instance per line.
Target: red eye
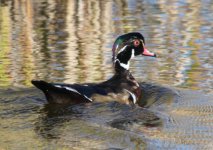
x=136, y=43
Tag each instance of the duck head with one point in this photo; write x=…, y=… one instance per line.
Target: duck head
x=126, y=47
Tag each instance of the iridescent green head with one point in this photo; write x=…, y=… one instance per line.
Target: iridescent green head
x=127, y=46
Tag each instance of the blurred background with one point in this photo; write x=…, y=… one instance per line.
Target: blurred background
x=70, y=40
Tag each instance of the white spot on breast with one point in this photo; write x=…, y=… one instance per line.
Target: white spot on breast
x=132, y=95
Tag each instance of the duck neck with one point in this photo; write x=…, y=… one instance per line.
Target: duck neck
x=122, y=62
x=122, y=73
x=121, y=69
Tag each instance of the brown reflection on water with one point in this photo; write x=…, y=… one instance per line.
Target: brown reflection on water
x=70, y=41
x=176, y=37
x=73, y=41
x=22, y=43
x=192, y=26
x=127, y=16
x=86, y=40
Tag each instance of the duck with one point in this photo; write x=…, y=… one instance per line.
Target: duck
x=122, y=86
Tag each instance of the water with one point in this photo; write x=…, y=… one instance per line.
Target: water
x=70, y=41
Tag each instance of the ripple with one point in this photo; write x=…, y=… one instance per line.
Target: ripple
x=71, y=42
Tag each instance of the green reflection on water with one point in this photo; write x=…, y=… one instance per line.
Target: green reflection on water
x=5, y=46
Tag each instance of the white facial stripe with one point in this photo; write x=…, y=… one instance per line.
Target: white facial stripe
x=73, y=90
x=122, y=49
x=117, y=46
x=132, y=95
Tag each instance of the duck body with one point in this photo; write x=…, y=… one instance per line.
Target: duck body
x=121, y=87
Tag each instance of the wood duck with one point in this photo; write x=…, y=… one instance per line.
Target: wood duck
x=121, y=87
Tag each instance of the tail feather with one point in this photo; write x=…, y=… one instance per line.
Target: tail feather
x=42, y=85
x=58, y=95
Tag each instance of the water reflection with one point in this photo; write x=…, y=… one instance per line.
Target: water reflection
x=26, y=122
x=70, y=41
x=63, y=123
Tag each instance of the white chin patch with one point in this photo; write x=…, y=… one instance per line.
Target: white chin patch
x=125, y=66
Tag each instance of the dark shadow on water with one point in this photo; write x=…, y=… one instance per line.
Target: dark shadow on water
x=155, y=95
x=140, y=117
x=110, y=115
x=52, y=117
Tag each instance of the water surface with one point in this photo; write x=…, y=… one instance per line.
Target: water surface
x=70, y=41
